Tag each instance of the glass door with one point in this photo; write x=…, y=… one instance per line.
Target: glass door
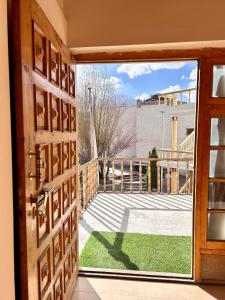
x=210, y=188
x=215, y=229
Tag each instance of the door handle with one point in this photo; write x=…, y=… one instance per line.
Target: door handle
x=40, y=165
x=41, y=201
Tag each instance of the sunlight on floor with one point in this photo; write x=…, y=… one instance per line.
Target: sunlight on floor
x=111, y=289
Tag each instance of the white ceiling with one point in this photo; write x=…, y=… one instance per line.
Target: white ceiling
x=115, y=25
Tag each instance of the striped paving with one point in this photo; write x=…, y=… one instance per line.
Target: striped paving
x=138, y=213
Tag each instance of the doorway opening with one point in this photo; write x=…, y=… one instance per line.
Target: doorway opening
x=137, y=126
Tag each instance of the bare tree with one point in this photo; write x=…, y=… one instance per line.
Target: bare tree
x=111, y=135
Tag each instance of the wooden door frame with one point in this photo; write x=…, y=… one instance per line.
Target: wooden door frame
x=21, y=72
x=149, y=55
x=202, y=55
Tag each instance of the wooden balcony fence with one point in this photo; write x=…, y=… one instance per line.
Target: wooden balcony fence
x=170, y=175
x=188, y=144
x=88, y=181
x=176, y=97
x=170, y=154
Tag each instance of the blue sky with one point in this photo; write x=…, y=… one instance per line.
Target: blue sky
x=138, y=80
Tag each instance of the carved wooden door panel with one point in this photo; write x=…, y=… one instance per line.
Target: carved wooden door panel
x=46, y=149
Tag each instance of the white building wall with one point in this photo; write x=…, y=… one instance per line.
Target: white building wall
x=153, y=126
x=128, y=123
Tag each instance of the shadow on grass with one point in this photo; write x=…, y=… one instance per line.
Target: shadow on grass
x=114, y=250
x=118, y=225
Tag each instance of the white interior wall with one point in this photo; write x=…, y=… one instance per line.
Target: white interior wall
x=6, y=199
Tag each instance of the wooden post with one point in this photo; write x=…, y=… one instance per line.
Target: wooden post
x=174, y=133
x=178, y=178
x=174, y=100
x=174, y=155
x=187, y=177
x=158, y=176
x=161, y=179
x=131, y=176
x=104, y=174
x=113, y=175
x=149, y=177
x=140, y=176
x=191, y=175
x=121, y=176
x=168, y=178
x=87, y=185
x=84, y=188
x=81, y=188
x=97, y=175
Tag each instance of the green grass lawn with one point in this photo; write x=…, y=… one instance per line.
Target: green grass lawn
x=133, y=251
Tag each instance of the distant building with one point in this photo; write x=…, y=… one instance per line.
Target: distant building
x=151, y=123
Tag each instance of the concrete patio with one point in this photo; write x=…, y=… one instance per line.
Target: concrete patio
x=163, y=214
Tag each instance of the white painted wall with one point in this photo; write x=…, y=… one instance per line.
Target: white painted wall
x=128, y=124
x=150, y=132
x=147, y=123
x=6, y=200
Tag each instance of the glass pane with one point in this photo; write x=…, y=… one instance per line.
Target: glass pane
x=218, y=81
x=216, y=195
x=217, y=137
x=216, y=227
x=217, y=164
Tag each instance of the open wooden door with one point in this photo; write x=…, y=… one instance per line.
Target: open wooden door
x=46, y=155
x=211, y=142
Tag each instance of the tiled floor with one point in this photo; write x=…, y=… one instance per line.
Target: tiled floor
x=138, y=213
x=111, y=289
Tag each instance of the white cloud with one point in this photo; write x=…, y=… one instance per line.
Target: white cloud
x=171, y=88
x=193, y=74
x=137, y=69
x=143, y=96
x=192, y=84
x=117, y=82
x=183, y=77
x=193, y=78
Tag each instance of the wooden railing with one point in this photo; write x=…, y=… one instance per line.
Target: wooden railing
x=135, y=175
x=88, y=181
x=174, y=98
x=168, y=153
x=171, y=98
x=189, y=143
x=145, y=175
x=186, y=188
